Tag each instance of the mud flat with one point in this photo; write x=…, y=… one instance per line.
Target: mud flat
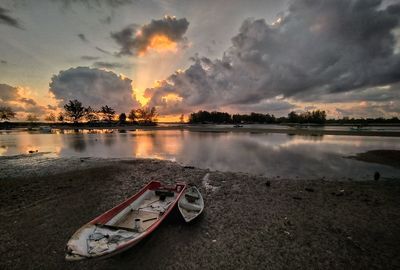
x=250, y=222
x=385, y=157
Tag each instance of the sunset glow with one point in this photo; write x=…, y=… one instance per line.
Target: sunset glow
x=160, y=44
x=172, y=58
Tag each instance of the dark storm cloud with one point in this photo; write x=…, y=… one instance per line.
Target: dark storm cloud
x=133, y=43
x=6, y=19
x=94, y=87
x=88, y=57
x=379, y=94
x=103, y=51
x=3, y=62
x=83, y=37
x=107, y=65
x=318, y=48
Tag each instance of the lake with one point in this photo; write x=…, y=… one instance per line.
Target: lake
x=273, y=155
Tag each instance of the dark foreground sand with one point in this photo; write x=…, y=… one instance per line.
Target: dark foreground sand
x=249, y=222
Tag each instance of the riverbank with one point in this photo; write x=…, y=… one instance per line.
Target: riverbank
x=250, y=222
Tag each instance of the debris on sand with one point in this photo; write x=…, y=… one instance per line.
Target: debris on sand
x=207, y=184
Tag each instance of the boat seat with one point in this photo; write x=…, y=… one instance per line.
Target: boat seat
x=190, y=206
x=192, y=196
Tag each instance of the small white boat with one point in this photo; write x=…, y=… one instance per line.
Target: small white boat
x=191, y=204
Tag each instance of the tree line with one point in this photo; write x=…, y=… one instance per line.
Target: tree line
x=75, y=112
x=308, y=117
x=316, y=116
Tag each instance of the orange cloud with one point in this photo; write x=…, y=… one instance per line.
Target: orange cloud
x=158, y=35
x=160, y=44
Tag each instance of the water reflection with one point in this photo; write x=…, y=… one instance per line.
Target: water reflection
x=78, y=143
x=269, y=154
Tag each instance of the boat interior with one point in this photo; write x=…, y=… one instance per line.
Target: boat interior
x=143, y=212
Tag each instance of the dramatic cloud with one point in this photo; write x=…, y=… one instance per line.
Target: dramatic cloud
x=161, y=34
x=83, y=37
x=107, y=65
x=19, y=100
x=317, y=48
x=378, y=94
x=8, y=20
x=94, y=87
x=8, y=93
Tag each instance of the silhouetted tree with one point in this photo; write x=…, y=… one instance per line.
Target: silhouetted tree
x=293, y=117
x=317, y=117
x=122, y=118
x=132, y=115
x=74, y=110
x=60, y=117
x=6, y=113
x=51, y=117
x=152, y=115
x=146, y=115
x=90, y=114
x=108, y=113
x=32, y=118
x=182, y=119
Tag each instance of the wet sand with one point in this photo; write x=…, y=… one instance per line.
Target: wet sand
x=249, y=222
x=385, y=157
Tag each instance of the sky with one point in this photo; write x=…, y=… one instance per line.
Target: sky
x=342, y=56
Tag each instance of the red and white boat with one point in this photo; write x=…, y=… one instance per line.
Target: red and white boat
x=126, y=224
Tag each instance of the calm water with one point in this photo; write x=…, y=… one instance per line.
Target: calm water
x=274, y=155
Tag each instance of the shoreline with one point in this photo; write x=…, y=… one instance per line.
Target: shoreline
x=201, y=128
x=249, y=221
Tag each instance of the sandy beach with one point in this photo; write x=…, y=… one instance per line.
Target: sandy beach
x=250, y=222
